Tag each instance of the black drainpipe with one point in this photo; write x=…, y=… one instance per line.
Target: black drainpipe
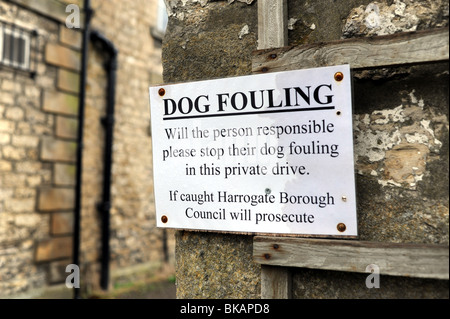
x=79, y=171
x=108, y=122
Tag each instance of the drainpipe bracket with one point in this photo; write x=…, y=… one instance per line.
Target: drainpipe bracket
x=103, y=207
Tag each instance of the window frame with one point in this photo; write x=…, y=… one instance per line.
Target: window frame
x=15, y=33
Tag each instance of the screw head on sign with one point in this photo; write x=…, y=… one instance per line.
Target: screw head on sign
x=164, y=219
x=338, y=76
x=344, y=198
x=161, y=92
x=341, y=227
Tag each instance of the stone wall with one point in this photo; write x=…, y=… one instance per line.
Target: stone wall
x=135, y=240
x=94, y=137
x=205, y=42
x=401, y=139
x=38, y=143
x=37, y=133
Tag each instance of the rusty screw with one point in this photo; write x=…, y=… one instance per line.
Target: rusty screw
x=164, y=219
x=341, y=227
x=267, y=256
x=161, y=92
x=338, y=76
x=275, y=246
x=273, y=56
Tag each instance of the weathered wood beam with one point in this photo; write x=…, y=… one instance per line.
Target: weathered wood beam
x=380, y=51
x=276, y=282
x=272, y=24
x=408, y=260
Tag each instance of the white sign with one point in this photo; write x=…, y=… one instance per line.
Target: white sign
x=269, y=153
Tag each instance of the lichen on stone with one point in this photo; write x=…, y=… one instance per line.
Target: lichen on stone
x=173, y=6
x=395, y=144
x=380, y=18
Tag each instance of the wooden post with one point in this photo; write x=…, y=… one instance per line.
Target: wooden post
x=272, y=24
x=272, y=33
x=276, y=282
x=422, y=261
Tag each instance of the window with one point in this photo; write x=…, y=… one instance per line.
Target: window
x=14, y=47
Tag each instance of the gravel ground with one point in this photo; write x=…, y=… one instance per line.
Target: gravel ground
x=156, y=290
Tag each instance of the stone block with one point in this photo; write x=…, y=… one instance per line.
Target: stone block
x=58, y=102
x=68, y=81
x=57, y=273
x=6, y=193
x=13, y=180
x=66, y=127
x=26, y=193
x=20, y=205
x=34, y=181
x=57, y=150
x=8, y=85
x=54, y=248
x=14, y=153
x=14, y=113
x=62, y=56
x=25, y=140
x=32, y=91
x=7, y=98
x=4, y=138
x=7, y=126
x=54, y=199
x=70, y=37
x=61, y=223
x=29, y=167
x=56, y=10
x=5, y=166
x=64, y=175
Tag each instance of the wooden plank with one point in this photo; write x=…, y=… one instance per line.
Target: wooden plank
x=276, y=282
x=272, y=24
x=409, y=260
x=360, y=53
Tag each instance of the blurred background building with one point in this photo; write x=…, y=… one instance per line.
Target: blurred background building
x=41, y=49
